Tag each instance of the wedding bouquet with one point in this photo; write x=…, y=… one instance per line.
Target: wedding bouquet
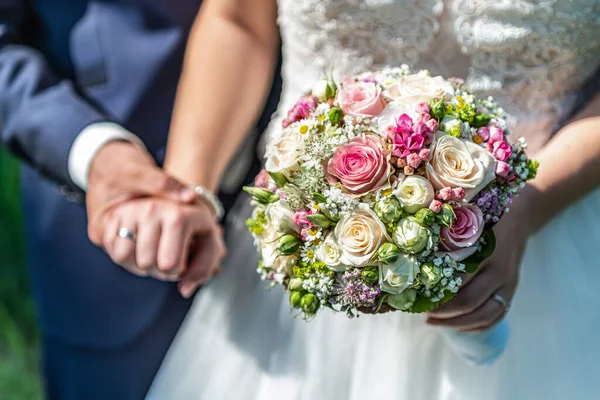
x=381, y=190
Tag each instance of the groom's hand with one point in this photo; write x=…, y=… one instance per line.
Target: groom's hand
x=122, y=171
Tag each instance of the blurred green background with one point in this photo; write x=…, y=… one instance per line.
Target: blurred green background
x=18, y=331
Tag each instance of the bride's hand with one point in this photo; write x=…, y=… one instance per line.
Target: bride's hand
x=474, y=308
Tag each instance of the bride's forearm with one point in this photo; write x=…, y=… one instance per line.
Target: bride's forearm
x=569, y=168
x=227, y=73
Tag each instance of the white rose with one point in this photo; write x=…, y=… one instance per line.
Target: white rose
x=415, y=192
x=410, y=236
x=389, y=117
x=284, y=264
x=418, y=88
x=359, y=235
x=330, y=253
x=269, y=242
x=460, y=163
x=282, y=218
x=399, y=276
x=284, y=151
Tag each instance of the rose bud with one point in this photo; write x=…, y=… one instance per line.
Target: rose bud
x=430, y=274
x=435, y=206
x=309, y=303
x=387, y=254
x=388, y=210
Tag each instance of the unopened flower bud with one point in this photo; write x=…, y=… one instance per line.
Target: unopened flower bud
x=436, y=206
x=425, y=216
x=309, y=303
x=262, y=196
x=408, y=170
x=335, y=115
x=446, y=215
x=388, y=210
x=319, y=220
x=387, y=253
x=295, y=299
x=288, y=245
x=370, y=274
x=295, y=284
x=430, y=274
x=324, y=89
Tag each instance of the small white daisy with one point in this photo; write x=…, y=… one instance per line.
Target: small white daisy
x=308, y=255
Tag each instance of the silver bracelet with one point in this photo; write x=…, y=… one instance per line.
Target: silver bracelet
x=211, y=199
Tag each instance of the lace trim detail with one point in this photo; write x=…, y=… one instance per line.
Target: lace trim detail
x=534, y=56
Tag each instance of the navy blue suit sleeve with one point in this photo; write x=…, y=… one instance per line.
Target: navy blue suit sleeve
x=40, y=114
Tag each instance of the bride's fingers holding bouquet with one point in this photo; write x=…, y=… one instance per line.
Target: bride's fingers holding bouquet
x=485, y=297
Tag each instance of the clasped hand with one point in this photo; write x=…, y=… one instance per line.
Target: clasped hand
x=174, y=235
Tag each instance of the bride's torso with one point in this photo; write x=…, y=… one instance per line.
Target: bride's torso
x=533, y=56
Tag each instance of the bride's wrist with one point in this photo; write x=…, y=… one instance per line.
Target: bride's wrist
x=522, y=211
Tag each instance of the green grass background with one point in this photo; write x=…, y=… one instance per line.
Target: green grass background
x=19, y=354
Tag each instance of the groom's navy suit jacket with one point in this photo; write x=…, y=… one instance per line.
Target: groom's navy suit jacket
x=65, y=64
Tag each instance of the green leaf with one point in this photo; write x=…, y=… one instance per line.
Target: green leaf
x=473, y=262
x=319, y=198
x=279, y=178
x=423, y=304
x=380, y=302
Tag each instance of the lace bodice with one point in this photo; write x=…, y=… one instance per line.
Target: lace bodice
x=533, y=56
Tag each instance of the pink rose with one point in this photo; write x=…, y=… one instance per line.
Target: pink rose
x=425, y=154
x=435, y=206
x=496, y=134
x=502, y=169
x=361, y=99
x=446, y=194
x=413, y=160
x=484, y=133
x=359, y=165
x=460, y=240
x=501, y=151
x=301, y=110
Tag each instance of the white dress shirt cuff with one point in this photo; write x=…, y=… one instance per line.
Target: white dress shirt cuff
x=89, y=142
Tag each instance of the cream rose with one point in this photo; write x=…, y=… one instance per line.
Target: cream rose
x=458, y=163
x=283, y=152
x=283, y=218
x=399, y=276
x=359, y=235
x=330, y=253
x=411, y=90
x=415, y=192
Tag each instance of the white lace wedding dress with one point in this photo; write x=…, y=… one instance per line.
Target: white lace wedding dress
x=239, y=340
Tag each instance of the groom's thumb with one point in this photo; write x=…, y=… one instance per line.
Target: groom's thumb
x=154, y=181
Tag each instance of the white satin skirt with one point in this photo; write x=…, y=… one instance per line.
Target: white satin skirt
x=240, y=342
